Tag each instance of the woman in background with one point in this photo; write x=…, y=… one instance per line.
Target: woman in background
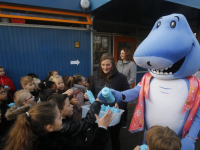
x=126, y=66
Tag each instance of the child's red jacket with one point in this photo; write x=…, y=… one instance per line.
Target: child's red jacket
x=4, y=80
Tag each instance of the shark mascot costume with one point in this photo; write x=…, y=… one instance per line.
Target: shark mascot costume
x=168, y=95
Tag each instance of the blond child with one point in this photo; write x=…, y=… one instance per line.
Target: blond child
x=23, y=100
x=60, y=87
x=59, y=83
x=27, y=83
x=36, y=81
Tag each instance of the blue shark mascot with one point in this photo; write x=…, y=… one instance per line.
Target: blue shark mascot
x=171, y=53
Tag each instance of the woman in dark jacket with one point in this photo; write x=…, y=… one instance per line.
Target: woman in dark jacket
x=108, y=76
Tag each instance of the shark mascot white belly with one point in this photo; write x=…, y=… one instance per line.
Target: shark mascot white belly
x=168, y=95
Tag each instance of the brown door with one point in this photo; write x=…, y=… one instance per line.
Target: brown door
x=122, y=41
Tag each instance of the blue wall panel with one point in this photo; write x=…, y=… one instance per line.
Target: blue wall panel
x=39, y=50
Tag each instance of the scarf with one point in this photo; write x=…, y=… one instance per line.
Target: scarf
x=192, y=103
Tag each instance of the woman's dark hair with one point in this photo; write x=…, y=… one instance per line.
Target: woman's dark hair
x=50, y=73
x=44, y=84
x=128, y=55
x=59, y=99
x=88, y=79
x=33, y=75
x=44, y=94
x=65, y=79
x=101, y=73
x=73, y=80
x=26, y=128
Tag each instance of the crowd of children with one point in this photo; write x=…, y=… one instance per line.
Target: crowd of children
x=47, y=114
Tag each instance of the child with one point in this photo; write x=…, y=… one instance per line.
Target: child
x=3, y=108
x=36, y=91
x=33, y=75
x=36, y=129
x=27, y=83
x=51, y=73
x=59, y=83
x=161, y=138
x=24, y=100
x=48, y=88
x=76, y=83
x=83, y=80
x=5, y=81
x=36, y=81
x=71, y=128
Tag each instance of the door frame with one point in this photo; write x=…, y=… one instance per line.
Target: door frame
x=123, y=39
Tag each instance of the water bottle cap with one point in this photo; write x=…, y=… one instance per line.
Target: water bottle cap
x=106, y=92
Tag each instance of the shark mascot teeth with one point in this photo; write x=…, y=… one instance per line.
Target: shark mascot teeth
x=168, y=95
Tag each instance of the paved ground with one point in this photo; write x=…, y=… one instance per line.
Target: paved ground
x=129, y=140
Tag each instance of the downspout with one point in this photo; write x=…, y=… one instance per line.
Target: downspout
x=92, y=50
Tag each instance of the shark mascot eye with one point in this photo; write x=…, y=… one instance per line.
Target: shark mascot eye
x=168, y=95
x=158, y=25
x=173, y=24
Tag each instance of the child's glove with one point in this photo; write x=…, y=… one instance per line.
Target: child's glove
x=187, y=143
x=116, y=94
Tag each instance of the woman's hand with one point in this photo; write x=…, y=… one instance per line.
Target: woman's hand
x=69, y=92
x=137, y=148
x=85, y=96
x=74, y=101
x=105, y=120
x=116, y=105
x=98, y=100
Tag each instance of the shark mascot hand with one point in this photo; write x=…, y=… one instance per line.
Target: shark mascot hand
x=168, y=95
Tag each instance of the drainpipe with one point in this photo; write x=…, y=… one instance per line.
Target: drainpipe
x=92, y=50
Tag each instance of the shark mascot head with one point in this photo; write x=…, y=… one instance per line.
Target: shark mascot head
x=171, y=50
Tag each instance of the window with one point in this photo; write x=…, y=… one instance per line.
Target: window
x=100, y=47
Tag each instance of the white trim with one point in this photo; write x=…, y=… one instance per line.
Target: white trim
x=40, y=26
x=92, y=54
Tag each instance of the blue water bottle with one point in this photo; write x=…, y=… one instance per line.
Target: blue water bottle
x=143, y=147
x=107, y=94
x=113, y=109
x=90, y=96
x=107, y=108
x=116, y=110
x=103, y=107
